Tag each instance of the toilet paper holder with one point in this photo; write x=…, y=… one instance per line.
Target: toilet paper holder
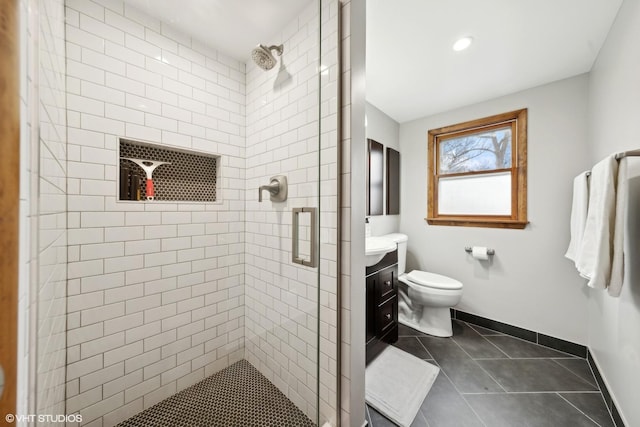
x=469, y=249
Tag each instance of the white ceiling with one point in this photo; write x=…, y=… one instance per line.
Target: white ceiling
x=233, y=27
x=413, y=72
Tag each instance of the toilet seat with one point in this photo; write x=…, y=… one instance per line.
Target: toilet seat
x=432, y=280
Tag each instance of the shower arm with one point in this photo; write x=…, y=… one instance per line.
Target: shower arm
x=277, y=48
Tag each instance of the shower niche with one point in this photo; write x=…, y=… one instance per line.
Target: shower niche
x=152, y=172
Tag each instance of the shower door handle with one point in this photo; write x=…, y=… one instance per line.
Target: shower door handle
x=295, y=237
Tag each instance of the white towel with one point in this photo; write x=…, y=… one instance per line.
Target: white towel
x=578, y=214
x=596, y=249
x=617, y=264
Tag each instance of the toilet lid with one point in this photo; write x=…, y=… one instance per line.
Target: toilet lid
x=433, y=280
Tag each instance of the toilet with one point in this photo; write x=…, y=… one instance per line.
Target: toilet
x=424, y=298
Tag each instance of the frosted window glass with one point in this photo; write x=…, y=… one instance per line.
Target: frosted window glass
x=488, y=194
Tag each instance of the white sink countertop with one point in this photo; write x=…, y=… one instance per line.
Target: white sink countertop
x=376, y=248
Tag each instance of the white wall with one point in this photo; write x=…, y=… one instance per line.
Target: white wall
x=354, y=149
x=614, y=108
x=386, y=131
x=529, y=283
x=156, y=290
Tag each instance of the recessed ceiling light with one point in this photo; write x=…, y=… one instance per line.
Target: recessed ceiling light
x=462, y=43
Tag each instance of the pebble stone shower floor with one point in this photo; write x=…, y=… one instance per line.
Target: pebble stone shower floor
x=237, y=396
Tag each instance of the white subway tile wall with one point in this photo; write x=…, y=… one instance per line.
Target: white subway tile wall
x=156, y=289
x=43, y=236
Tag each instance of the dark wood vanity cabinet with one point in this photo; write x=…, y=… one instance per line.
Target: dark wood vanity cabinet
x=382, y=305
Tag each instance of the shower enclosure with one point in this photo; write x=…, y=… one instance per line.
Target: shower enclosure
x=128, y=302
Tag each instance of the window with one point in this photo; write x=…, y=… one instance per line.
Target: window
x=478, y=173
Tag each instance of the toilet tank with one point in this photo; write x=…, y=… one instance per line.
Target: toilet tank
x=401, y=241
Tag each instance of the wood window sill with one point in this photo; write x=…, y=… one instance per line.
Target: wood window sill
x=479, y=222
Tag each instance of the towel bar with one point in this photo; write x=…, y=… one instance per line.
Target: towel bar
x=631, y=153
x=622, y=155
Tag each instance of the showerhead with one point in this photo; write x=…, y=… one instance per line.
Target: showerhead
x=263, y=57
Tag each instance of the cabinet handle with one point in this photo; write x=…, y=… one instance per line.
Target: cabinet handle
x=388, y=316
x=387, y=283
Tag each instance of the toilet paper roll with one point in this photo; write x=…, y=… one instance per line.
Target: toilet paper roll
x=480, y=252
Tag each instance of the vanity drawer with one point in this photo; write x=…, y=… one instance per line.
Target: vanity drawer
x=385, y=285
x=386, y=315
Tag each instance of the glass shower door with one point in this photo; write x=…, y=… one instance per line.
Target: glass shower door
x=167, y=298
x=291, y=250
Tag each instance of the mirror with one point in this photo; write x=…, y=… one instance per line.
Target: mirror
x=393, y=182
x=375, y=178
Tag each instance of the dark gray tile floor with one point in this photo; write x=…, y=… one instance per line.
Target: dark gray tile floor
x=489, y=379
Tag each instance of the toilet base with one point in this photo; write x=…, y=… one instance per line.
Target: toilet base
x=435, y=321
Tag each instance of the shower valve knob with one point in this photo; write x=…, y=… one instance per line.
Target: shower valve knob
x=277, y=189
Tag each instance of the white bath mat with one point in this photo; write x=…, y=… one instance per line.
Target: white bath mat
x=396, y=383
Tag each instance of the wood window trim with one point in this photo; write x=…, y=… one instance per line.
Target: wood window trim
x=518, y=217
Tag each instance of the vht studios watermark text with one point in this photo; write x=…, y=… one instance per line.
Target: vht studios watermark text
x=43, y=418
